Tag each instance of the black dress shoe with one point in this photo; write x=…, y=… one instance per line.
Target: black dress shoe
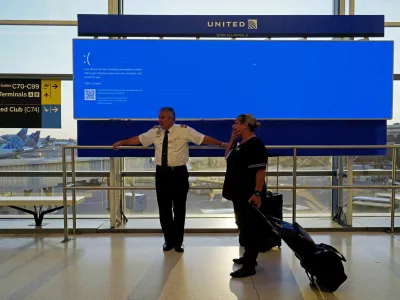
x=179, y=248
x=243, y=272
x=167, y=246
x=240, y=261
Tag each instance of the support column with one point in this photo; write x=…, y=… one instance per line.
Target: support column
x=121, y=7
x=113, y=6
x=337, y=195
x=115, y=170
x=337, y=161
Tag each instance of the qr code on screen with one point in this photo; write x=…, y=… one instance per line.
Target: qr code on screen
x=90, y=95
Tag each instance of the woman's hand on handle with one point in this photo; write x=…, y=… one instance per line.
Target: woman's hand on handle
x=256, y=200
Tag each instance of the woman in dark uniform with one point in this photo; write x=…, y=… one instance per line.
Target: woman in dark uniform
x=245, y=183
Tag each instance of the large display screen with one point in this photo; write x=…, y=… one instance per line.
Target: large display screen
x=220, y=79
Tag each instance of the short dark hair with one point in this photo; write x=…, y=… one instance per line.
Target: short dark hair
x=250, y=121
x=170, y=110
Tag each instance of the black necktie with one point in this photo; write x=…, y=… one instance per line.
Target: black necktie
x=164, y=155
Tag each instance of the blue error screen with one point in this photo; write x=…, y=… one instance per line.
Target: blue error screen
x=220, y=79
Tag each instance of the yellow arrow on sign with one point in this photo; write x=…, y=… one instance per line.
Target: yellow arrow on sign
x=51, y=92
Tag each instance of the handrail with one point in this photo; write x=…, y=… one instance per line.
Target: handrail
x=267, y=146
x=281, y=187
x=304, y=173
x=150, y=173
x=293, y=187
x=53, y=173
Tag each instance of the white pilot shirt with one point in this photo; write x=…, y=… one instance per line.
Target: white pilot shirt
x=178, y=138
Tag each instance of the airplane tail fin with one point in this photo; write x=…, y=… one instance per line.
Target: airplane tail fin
x=17, y=142
x=33, y=140
x=46, y=140
x=36, y=137
x=28, y=139
x=22, y=133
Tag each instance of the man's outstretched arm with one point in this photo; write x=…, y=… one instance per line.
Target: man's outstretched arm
x=202, y=139
x=127, y=142
x=145, y=139
x=211, y=141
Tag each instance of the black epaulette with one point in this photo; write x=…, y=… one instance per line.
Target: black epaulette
x=183, y=126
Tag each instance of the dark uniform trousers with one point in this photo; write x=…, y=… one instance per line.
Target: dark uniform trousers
x=172, y=186
x=250, y=226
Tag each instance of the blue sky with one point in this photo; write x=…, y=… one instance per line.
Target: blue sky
x=37, y=49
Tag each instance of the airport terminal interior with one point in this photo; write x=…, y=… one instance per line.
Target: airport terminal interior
x=107, y=243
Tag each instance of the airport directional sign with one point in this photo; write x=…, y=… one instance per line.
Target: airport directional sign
x=30, y=103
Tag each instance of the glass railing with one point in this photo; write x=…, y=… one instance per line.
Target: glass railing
x=115, y=187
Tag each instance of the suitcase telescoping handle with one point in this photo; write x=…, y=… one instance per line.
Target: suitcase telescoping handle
x=277, y=175
x=273, y=225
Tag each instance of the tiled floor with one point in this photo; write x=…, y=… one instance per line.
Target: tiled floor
x=133, y=266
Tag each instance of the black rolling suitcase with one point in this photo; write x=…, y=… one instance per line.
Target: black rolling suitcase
x=272, y=205
x=323, y=263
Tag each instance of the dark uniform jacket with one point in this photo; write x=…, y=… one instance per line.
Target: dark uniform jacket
x=243, y=162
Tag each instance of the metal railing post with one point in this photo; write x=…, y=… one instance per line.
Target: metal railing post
x=73, y=191
x=394, y=177
x=340, y=177
x=294, y=184
x=111, y=199
x=64, y=167
x=349, y=215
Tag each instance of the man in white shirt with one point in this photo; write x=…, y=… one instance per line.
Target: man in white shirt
x=171, y=143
